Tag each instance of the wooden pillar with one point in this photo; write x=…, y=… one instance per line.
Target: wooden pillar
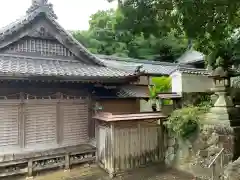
x=30, y=168
x=21, y=121
x=161, y=140
x=59, y=127
x=91, y=121
x=67, y=162
x=149, y=80
x=161, y=104
x=112, y=153
x=140, y=143
x=97, y=135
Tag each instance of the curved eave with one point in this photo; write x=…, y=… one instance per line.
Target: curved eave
x=156, y=74
x=86, y=79
x=195, y=62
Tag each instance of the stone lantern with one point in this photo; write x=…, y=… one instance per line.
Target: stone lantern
x=223, y=110
x=217, y=131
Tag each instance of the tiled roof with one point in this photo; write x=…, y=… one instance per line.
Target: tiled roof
x=115, y=66
x=133, y=91
x=127, y=91
x=191, y=56
x=35, y=66
x=194, y=71
x=149, y=67
x=45, y=10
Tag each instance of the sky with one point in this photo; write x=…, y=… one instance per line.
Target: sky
x=72, y=14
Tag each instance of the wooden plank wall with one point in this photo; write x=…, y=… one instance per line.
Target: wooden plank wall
x=22, y=124
x=132, y=145
x=135, y=146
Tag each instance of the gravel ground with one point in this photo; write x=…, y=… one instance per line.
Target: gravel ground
x=95, y=173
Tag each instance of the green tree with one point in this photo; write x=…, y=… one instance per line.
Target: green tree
x=211, y=24
x=144, y=16
x=101, y=37
x=108, y=34
x=208, y=23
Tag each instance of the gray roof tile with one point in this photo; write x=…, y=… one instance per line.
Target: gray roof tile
x=133, y=91
x=193, y=71
x=191, y=56
x=37, y=66
x=149, y=67
x=126, y=91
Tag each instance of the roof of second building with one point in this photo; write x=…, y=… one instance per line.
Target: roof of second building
x=190, y=57
x=149, y=67
x=195, y=71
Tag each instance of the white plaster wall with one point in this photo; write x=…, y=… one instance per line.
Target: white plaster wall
x=196, y=83
x=176, y=82
x=182, y=82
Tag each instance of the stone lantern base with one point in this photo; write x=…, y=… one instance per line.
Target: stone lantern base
x=217, y=132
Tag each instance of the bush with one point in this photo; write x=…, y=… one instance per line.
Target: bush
x=183, y=123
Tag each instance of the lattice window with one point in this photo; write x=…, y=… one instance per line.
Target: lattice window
x=36, y=45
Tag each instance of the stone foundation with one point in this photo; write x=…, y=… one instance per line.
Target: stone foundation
x=195, y=155
x=232, y=171
x=171, y=149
